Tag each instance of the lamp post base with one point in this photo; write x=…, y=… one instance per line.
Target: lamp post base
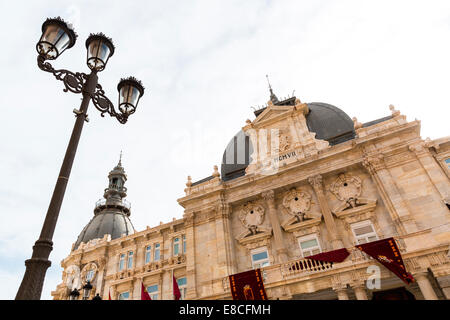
x=36, y=268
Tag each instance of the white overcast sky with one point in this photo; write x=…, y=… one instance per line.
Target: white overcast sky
x=203, y=64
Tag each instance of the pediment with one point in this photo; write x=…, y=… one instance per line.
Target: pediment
x=273, y=112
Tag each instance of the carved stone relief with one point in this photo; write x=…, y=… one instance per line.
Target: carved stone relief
x=90, y=267
x=72, y=276
x=251, y=216
x=298, y=205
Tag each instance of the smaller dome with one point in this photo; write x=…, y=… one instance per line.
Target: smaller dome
x=108, y=222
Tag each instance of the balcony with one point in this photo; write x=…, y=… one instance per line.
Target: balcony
x=123, y=204
x=302, y=269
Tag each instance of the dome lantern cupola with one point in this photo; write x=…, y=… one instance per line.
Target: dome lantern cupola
x=111, y=214
x=116, y=189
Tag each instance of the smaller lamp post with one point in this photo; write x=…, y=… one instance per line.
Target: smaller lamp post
x=87, y=290
x=74, y=294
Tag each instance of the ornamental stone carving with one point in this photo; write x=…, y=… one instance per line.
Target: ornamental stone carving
x=252, y=216
x=90, y=267
x=72, y=276
x=297, y=203
x=347, y=188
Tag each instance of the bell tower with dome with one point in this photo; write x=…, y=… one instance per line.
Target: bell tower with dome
x=111, y=214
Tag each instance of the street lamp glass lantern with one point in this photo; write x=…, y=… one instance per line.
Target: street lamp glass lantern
x=87, y=290
x=57, y=36
x=130, y=91
x=99, y=49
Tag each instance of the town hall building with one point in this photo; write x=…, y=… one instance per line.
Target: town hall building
x=297, y=180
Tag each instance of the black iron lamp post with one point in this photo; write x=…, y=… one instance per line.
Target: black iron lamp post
x=57, y=36
x=74, y=294
x=87, y=290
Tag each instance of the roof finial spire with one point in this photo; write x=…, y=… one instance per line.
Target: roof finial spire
x=120, y=159
x=273, y=97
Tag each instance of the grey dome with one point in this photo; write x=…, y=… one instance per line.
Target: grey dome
x=327, y=121
x=113, y=222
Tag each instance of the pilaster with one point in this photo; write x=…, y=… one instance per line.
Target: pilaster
x=316, y=183
x=281, y=252
x=387, y=188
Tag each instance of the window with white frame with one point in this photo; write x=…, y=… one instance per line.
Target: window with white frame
x=260, y=258
x=309, y=245
x=176, y=246
x=157, y=252
x=184, y=243
x=447, y=162
x=153, y=291
x=89, y=275
x=121, y=261
x=364, y=232
x=182, y=285
x=124, y=296
x=148, y=254
x=130, y=260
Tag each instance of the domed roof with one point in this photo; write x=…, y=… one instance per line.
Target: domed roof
x=327, y=121
x=112, y=222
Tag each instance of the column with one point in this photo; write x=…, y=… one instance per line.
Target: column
x=425, y=286
x=280, y=249
x=433, y=170
x=341, y=291
x=225, y=253
x=316, y=183
x=444, y=282
x=393, y=200
x=360, y=291
x=191, y=291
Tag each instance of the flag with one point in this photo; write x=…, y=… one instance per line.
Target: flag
x=387, y=253
x=109, y=294
x=247, y=285
x=176, y=289
x=338, y=255
x=144, y=293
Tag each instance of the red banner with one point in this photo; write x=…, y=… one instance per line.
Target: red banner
x=247, y=285
x=338, y=255
x=387, y=253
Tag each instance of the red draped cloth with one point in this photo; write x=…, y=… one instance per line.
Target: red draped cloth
x=387, y=253
x=338, y=255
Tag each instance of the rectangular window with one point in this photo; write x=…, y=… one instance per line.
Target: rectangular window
x=148, y=254
x=260, y=258
x=182, y=285
x=184, y=243
x=447, y=161
x=153, y=292
x=122, y=261
x=176, y=246
x=364, y=232
x=309, y=245
x=124, y=296
x=89, y=275
x=157, y=252
x=130, y=260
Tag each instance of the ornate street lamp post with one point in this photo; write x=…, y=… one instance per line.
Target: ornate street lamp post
x=57, y=36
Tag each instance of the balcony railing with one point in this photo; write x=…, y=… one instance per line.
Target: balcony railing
x=102, y=202
x=304, y=267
